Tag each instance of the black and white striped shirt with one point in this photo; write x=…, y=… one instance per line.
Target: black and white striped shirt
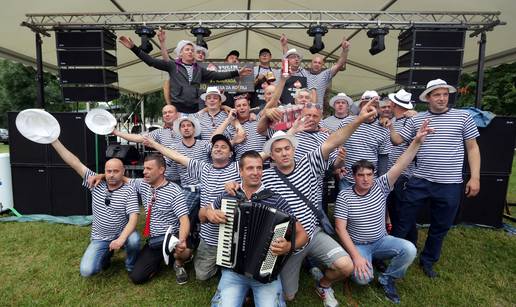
x=167, y=137
x=210, y=123
x=365, y=214
x=441, y=156
x=331, y=123
x=308, y=141
x=168, y=205
x=397, y=151
x=200, y=150
x=253, y=141
x=212, y=181
x=367, y=142
x=304, y=177
x=110, y=216
x=318, y=81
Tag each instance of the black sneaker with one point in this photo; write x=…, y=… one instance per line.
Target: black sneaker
x=379, y=265
x=428, y=270
x=181, y=275
x=390, y=291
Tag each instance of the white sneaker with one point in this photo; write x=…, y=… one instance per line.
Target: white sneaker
x=327, y=296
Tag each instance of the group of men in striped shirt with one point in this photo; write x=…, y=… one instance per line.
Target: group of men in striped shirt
x=203, y=154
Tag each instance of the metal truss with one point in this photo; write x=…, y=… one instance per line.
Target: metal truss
x=249, y=19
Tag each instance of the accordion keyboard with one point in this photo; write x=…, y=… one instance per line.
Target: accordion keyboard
x=270, y=260
x=225, y=247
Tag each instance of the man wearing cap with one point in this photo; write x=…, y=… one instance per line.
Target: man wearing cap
x=185, y=75
x=232, y=57
x=165, y=136
x=212, y=116
x=264, y=66
x=368, y=142
x=360, y=216
x=189, y=128
x=239, y=121
x=341, y=105
x=233, y=287
x=316, y=77
x=437, y=176
x=212, y=177
x=297, y=181
x=115, y=215
x=402, y=103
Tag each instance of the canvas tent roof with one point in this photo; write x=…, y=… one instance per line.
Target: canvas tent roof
x=18, y=43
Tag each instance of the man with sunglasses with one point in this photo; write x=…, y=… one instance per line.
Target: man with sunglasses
x=115, y=214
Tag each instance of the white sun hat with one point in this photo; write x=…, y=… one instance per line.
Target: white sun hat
x=169, y=244
x=213, y=90
x=190, y=118
x=435, y=84
x=340, y=96
x=100, y=121
x=278, y=135
x=402, y=98
x=38, y=126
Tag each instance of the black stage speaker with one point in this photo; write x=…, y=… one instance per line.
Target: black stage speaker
x=487, y=207
x=496, y=143
x=49, y=190
x=21, y=150
x=85, y=58
x=88, y=76
x=420, y=77
x=89, y=93
x=127, y=153
x=445, y=38
x=85, y=38
x=431, y=58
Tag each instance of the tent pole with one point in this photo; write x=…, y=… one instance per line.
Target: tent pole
x=480, y=69
x=40, y=94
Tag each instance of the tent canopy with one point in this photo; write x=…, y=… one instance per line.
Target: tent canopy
x=364, y=71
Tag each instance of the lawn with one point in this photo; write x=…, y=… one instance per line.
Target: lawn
x=4, y=148
x=39, y=265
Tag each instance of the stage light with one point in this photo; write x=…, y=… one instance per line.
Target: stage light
x=145, y=33
x=200, y=33
x=378, y=43
x=317, y=32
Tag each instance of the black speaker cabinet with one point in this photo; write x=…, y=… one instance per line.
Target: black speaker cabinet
x=49, y=190
x=85, y=58
x=420, y=77
x=496, y=143
x=85, y=39
x=88, y=76
x=21, y=150
x=431, y=58
x=487, y=207
x=89, y=93
x=446, y=38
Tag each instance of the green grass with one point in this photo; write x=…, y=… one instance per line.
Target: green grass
x=40, y=266
x=4, y=148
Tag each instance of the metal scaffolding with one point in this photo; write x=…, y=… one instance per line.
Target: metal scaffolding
x=250, y=19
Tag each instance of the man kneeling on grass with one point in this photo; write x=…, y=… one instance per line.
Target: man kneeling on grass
x=360, y=221
x=115, y=214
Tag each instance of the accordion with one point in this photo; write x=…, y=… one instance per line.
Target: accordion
x=245, y=239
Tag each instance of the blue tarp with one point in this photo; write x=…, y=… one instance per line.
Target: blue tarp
x=79, y=220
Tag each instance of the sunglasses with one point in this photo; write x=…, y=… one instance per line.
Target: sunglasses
x=107, y=200
x=310, y=105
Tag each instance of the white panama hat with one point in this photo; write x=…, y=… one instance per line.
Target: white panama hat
x=340, y=96
x=278, y=135
x=213, y=90
x=38, y=126
x=100, y=121
x=435, y=84
x=193, y=120
x=169, y=244
x=402, y=98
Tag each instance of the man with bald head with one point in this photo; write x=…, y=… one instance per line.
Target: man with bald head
x=115, y=214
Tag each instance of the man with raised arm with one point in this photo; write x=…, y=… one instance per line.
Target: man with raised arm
x=115, y=214
x=360, y=221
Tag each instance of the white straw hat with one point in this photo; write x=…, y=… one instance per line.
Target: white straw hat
x=38, y=126
x=100, y=121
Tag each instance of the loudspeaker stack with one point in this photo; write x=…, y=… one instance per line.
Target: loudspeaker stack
x=426, y=54
x=85, y=64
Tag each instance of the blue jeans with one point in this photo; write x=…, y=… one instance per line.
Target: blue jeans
x=401, y=253
x=97, y=255
x=233, y=288
x=444, y=203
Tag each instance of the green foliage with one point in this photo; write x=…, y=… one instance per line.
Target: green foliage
x=18, y=90
x=499, y=90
